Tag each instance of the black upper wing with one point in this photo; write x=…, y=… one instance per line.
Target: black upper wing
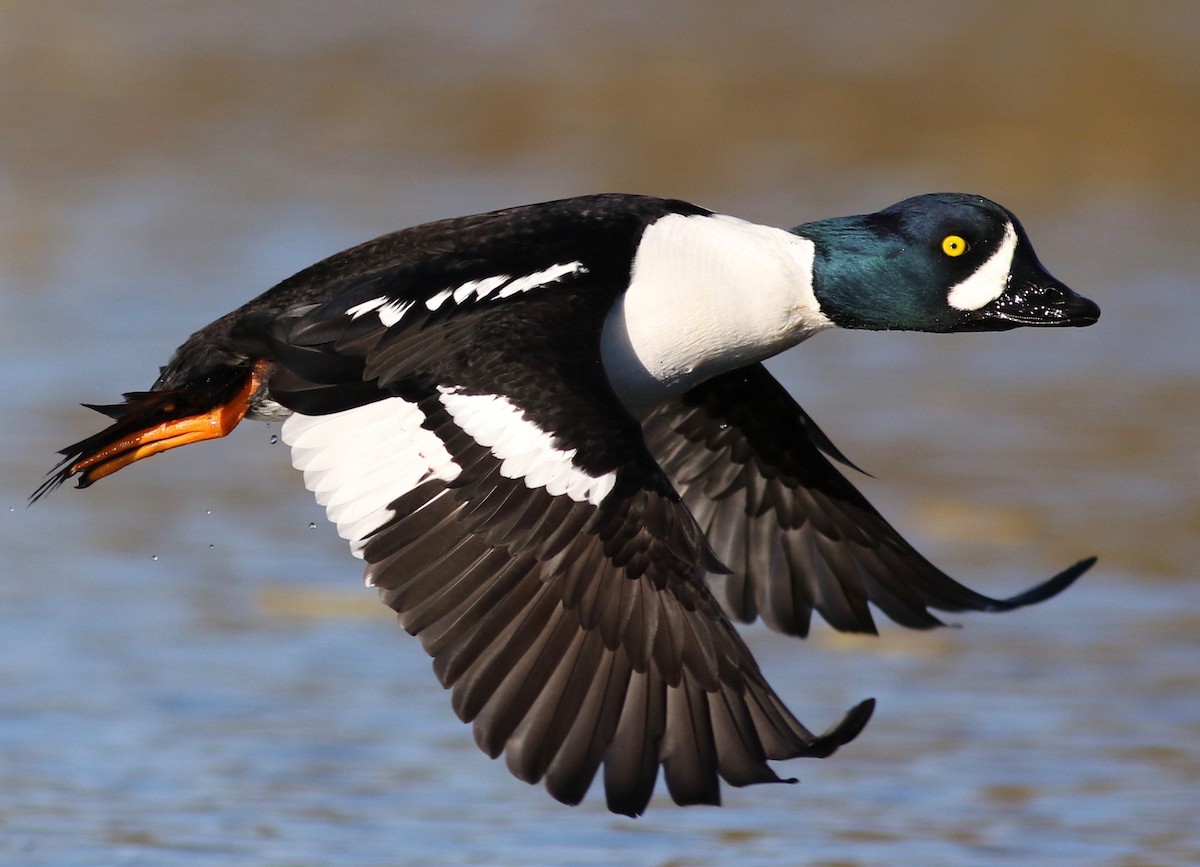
x=798, y=536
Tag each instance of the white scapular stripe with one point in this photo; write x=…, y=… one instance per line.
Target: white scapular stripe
x=439, y=299
x=392, y=311
x=358, y=461
x=525, y=451
x=479, y=288
x=366, y=307
x=541, y=278
x=989, y=280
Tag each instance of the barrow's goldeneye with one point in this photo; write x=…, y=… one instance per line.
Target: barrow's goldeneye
x=548, y=433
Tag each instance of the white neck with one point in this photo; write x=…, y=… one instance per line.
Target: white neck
x=708, y=294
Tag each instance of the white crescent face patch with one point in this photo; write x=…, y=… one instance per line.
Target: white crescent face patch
x=989, y=280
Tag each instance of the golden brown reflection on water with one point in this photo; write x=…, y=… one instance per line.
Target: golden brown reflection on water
x=1049, y=101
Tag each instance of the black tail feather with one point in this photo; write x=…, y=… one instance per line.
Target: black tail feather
x=141, y=411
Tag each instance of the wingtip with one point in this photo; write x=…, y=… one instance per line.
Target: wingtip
x=855, y=720
x=843, y=731
x=1045, y=590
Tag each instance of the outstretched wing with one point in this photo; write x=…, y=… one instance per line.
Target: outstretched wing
x=751, y=466
x=509, y=512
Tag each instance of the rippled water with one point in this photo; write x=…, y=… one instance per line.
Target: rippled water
x=189, y=674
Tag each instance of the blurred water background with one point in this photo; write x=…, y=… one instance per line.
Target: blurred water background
x=190, y=670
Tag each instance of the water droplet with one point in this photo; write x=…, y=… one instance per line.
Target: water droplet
x=211, y=546
x=312, y=525
x=209, y=512
x=153, y=556
x=274, y=439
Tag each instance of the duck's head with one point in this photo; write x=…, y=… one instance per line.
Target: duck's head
x=939, y=262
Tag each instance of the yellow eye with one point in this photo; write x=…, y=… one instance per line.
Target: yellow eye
x=954, y=245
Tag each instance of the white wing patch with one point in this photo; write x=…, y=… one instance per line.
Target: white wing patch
x=989, y=280
x=526, y=452
x=541, y=278
x=358, y=461
x=391, y=311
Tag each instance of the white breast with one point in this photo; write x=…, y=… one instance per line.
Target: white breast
x=707, y=294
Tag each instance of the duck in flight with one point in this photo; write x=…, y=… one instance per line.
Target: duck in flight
x=548, y=433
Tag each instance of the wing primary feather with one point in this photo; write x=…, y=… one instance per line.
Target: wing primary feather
x=486, y=630
x=478, y=683
x=631, y=760
x=536, y=741
x=570, y=773
x=517, y=691
x=689, y=752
